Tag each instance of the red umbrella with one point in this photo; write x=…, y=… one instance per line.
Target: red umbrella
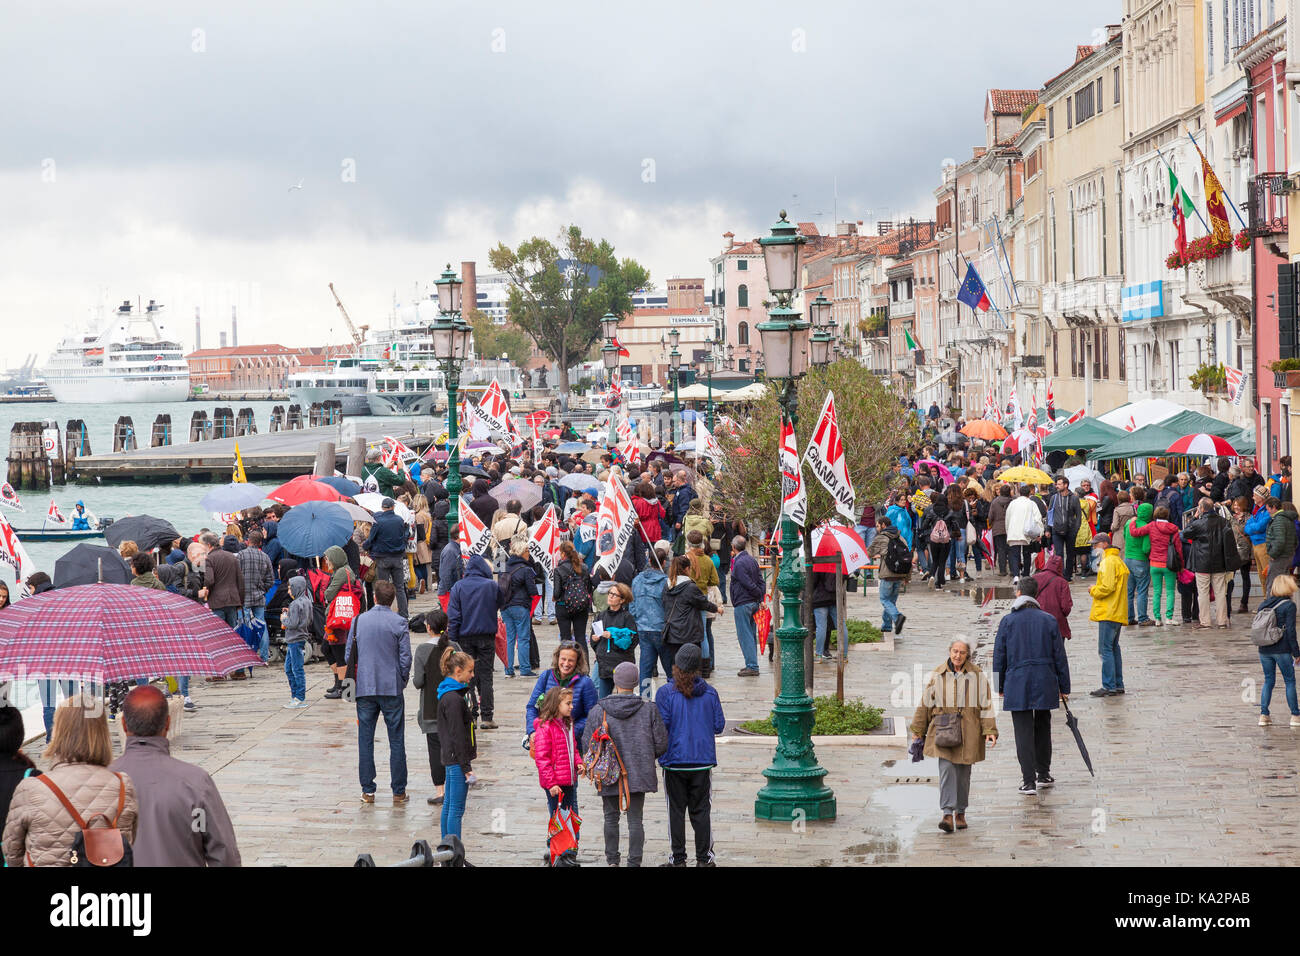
x=1202, y=444
x=838, y=539
x=109, y=632
x=304, y=488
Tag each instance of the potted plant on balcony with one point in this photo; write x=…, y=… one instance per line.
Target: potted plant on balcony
x=1210, y=378
x=1285, y=372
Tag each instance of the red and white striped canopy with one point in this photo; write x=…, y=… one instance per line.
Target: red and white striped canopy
x=1202, y=444
x=1018, y=441
x=837, y=539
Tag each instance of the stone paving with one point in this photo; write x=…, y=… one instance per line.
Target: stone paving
x=1184, y=775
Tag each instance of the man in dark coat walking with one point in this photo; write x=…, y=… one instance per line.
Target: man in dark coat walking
x=472, y=623
x=1033, y=676
x=1066, y=518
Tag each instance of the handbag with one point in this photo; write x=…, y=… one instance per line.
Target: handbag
x=947, y=730
x=345, y=606
x=96, y=846
x=715, y=598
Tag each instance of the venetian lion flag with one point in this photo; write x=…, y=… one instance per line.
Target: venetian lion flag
x=544, y=541
x=1214, y=204
x=825, y=454
x=794, y=497
x=615, y=521
x=13, y=553
x=473, y=535
x=9, y=497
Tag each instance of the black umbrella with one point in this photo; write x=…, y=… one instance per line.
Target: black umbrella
x=90, y=564
x=473, y=471
x=1072, y=722
x=146, y=531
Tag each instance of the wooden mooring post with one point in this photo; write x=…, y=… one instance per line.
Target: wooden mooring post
x=28, y=466
x=124, y=434
x=223, y=423
x=294, y=418
x=245, y=423
x=76, y=444
x=161, y=436
x=277, y=419
x=325, y=458
x=200, y=427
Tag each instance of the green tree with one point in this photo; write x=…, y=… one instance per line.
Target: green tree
x=875, y=428
x=560, y=308
x=492, y=340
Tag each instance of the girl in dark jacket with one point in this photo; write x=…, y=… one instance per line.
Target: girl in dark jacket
x=456, y=735
x=1282, y=655
x=619, y=640
x=439, y=536
x=518, y=587
x=571, y=579
x=937, y=512
x=683, y=602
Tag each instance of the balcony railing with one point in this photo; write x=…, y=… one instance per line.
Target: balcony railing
x=1033, y=361
x=902, y=308
x=1268, y=192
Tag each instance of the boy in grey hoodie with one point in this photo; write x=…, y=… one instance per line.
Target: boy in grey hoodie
x=296, y=621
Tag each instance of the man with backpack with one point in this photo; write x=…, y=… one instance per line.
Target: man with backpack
x=387, y=545
x=894, y=558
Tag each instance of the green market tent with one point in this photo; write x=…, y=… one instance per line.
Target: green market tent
x=1085, y=433
x=1150, y=441
x=1194, y=423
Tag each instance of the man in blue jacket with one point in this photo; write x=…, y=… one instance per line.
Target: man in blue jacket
x=648, y=610
x=747, y=590
x=1033, y=677
x=387, y=546
x=382, y=644
x=472, y=623
x=682, y=496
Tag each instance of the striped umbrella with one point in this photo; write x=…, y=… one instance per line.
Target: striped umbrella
x=109, y=632
x=1202, y=444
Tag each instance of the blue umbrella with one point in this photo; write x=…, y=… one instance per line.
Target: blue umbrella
x=582, y=482
x=313, y=526
x=344, y=486
x=236, y=496
x=572, y=447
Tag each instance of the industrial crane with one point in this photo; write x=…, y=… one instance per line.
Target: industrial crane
x=358, y=336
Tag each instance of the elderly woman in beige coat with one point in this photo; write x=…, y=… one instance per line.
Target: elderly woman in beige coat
x=956, y=686
x=39, y=830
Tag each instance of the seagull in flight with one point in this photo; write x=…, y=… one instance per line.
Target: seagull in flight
x=298, y=185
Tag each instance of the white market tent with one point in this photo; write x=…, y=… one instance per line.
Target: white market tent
x=1147, y=412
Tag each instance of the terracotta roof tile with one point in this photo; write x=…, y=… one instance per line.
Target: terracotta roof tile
x=1081, y=51
x=1012, y=101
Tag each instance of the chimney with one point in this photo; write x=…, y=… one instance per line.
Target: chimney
x=731, y=241
x=222, y=339
x=198, y=331
x=469, y=290
x=234, y=329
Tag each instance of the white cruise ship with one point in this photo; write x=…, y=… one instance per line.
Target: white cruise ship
x=132, y=358
x=345, y=380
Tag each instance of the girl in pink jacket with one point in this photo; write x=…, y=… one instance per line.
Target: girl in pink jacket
x=555, y=751
x=1164, y=582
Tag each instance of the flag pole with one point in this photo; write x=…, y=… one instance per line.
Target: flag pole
x=1230, y=204
x=1208, y=231
x=1001, y=275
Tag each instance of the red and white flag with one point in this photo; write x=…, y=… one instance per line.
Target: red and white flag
x=794, y=496
x=705, y=443
x=396, y=453
x=1237, y=379
x=624, y=431
x=991, y=407
x=9, y=497
x=1032, y=424
x=825, y=454
x=1077, y=415
x=544, y=542
x=13, y=553
x=473, y=535
x=615, y=521
x=54, y=514
x=1131, y=426
x=614, y=397
x=493, y=410
x=1051, y=402
x=1016, y=414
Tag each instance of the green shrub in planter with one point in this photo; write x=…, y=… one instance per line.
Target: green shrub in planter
x=860, y=632
x=833, y=719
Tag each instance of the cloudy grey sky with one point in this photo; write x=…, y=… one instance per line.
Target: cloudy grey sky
x=149, y=153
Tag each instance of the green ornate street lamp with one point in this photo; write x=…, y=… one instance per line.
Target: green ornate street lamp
x=609, y=355
x=707, y=362
x=451, y=335
x=795, y=781
x=675, y=369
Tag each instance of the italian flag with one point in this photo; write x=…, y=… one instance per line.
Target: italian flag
x=909, y=342
x=1182, y=206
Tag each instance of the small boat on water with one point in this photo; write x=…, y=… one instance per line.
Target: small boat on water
x=57, y=534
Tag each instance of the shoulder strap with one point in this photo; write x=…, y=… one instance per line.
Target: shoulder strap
x=121, y=797
x=67, y=804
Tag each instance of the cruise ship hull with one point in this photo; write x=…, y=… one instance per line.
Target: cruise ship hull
x=353, y=403
x=403, y=403
x=115, y=390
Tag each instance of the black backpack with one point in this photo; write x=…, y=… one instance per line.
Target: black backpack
x=898, y=556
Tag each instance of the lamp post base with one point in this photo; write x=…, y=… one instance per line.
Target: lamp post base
x=789, y=800
x=795, y=787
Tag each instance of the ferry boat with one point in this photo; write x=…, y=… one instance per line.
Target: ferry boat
x=345, y=380
x=133, y=358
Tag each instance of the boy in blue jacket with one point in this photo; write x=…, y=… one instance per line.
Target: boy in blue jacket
x=692, y=712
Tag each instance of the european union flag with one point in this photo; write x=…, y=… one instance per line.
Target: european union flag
x=973, y=293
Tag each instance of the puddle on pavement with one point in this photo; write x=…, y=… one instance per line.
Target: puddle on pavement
x=979, y=593
x=897, y=812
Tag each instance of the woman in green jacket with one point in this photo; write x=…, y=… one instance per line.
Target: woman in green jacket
x=1137, y=557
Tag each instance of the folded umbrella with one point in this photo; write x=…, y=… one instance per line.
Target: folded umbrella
x=90, y=564
x=146, y=531
x=314, y=526
x=236, y=496
x=111, y=632
x=1072, y=722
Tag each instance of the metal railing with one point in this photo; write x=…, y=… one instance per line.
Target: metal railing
x=1268, y=192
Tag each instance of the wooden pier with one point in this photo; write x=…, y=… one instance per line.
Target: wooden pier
x=280, y=454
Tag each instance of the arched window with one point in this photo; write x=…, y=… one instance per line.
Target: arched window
x=742, y=297
x=742, y=332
